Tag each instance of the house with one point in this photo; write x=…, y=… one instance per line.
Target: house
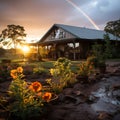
x=70, y=41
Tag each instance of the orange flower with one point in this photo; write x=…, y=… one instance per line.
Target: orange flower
x=35, y=86
x=13, y=74
x=47, y=96
x=20, y=69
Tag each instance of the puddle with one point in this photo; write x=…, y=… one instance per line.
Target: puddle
x=107, y=96
x=108, y=99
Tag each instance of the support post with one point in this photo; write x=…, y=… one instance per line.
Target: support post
x=74, y=54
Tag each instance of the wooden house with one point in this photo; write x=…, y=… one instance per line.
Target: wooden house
x=70, y=41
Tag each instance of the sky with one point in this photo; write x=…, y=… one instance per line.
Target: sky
x=38, y=16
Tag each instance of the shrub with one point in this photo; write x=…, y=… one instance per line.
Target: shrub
x=93, y=61
x=29, y=98
x=86, y=69
x=62, y=75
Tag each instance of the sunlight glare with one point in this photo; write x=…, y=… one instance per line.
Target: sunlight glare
x=26, y=49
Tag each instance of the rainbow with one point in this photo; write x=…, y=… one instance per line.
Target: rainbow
x=81, y=11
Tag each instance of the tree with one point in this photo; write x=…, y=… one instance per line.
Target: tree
x=108, y=47
x=113, y=27
x=12, y=35
x=97, y=51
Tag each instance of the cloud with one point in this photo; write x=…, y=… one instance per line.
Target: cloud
x=102, y=11
x=37, y=16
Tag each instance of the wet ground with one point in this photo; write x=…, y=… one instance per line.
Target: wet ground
x=97, y=100
x=100, y=101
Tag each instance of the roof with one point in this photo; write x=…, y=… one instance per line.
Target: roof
x=85, y=33
x=82, y=32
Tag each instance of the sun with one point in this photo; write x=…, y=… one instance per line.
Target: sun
x=25, y=49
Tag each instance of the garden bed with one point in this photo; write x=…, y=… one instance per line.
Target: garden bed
x=90, y=101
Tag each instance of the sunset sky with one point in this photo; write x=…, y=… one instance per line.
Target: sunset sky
x=37, y=16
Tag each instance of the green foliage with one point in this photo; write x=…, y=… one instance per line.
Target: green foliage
x=103, y=51
x=98, y=51
x=40, y=70
x=62, y=75
x=28, y=98
x=25, y=104
x=108, y=47
x=92, y=60
x=113, y=27
x=86, y=69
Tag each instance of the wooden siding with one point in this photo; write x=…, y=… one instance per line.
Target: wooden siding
x=59, y=34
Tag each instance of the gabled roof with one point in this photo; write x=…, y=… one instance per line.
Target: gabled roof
x=86, y=33
x=82, y=32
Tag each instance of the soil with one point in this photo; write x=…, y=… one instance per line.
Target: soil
x=97, y=100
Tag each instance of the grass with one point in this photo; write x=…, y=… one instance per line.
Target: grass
x=49, y=64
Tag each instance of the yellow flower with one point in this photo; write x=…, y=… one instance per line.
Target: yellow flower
x=47, y=96
x=52, y=71
x=19, y=69
x=13, y=73
x=35, y=86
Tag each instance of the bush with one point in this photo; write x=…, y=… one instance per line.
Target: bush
x=29, y=98
x=85, y=69
x=62, y=75
x=92, y=60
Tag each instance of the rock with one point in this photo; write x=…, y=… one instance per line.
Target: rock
x=67, y=91
x=116, y=86
x=117, y=70
x=61, y=97
x=116, y=93
x=77, y=93
x=77, y=86
x=104, y=116
x=91, y=99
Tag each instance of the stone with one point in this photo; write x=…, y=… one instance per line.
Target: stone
x=77, y=92
x=77, y=86
x=67, y=91
x=104, y=116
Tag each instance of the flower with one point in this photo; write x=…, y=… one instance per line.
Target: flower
x=13, y=73
x=47, y=96
x=19, y=69
x=35, y=86
x=27, y=97
x=54, y=71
